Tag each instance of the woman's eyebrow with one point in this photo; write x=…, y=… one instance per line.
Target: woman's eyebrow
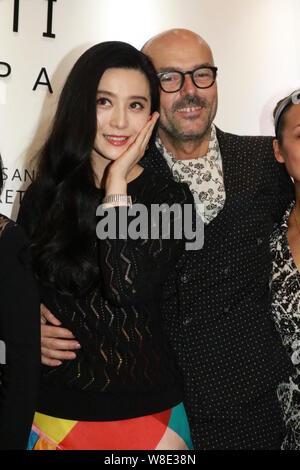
x=106, y=92
x=133, y=97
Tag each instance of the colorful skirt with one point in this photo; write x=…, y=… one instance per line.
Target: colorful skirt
x=165, y=430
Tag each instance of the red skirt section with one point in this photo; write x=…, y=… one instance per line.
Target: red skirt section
x=168, y=429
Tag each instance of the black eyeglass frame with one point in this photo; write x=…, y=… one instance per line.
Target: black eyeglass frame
x=191, y=73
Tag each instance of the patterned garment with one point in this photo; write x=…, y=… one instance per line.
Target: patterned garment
x=286, y=312
x=165, y=430
x=204, y=175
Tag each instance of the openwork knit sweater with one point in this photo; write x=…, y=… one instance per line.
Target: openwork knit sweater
x=125, y=367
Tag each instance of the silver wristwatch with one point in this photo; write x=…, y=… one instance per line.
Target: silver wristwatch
x=123, y=199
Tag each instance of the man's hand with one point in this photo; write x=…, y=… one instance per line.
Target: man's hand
x=58, y=344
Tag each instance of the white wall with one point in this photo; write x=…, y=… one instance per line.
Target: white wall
x=256, y=44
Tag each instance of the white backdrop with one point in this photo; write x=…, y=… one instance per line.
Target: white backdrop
x=256, y=45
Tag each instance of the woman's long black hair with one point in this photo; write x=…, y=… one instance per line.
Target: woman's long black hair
x=65, y=198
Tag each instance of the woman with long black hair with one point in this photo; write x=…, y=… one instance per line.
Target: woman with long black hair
x=19, y=336
x=123, y=390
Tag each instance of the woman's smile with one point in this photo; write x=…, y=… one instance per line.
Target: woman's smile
x=116, y=140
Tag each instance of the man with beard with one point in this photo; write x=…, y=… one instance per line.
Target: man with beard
x=217, y=308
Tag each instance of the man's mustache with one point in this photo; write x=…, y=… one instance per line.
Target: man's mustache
x=189, y=101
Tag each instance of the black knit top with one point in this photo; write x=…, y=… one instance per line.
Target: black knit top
x=125, y=367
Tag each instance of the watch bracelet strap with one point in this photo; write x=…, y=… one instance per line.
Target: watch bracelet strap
x=118, y=198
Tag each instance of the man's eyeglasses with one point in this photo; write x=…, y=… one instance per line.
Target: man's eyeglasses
x=202, y=77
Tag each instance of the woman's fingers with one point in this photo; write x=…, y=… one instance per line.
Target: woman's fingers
x=149, y=130
x=137, y=149
x=145, y=133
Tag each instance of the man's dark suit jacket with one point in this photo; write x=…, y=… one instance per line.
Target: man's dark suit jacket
x=217, y=309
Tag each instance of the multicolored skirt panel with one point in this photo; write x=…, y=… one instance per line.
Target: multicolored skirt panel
x=165, y=430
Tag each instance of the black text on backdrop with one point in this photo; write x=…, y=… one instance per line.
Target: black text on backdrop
x=5, y=67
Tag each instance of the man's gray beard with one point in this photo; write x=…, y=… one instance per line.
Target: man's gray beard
x=179, y=136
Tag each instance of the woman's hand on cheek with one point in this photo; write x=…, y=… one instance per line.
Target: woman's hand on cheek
x=118, y=171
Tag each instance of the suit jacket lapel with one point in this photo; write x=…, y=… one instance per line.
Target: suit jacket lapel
x=239, y=190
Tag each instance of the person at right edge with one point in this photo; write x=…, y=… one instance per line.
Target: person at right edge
x=285, y=247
